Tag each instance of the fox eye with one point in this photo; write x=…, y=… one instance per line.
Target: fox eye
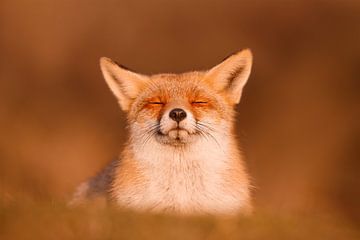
x=156, y=103
x=199, y=102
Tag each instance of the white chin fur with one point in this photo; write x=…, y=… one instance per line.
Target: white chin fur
x=178, y=134
x=175, y=137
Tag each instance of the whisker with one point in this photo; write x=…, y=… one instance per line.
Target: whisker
x=206, y=125
x=148, y=132
x=201, y=132
x=204, y=130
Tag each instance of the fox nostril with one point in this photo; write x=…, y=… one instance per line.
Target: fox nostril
x=177, y=114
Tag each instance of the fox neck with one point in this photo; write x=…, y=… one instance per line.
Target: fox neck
x=205, y=175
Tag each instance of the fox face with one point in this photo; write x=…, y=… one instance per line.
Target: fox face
x=179, y=109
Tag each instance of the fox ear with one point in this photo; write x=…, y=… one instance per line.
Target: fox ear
x=231, y=74
x=125, y=84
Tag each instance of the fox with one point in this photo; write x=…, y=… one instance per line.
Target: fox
x=182, y=155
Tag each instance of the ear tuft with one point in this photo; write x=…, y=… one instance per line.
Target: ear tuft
x=124, y=83
x=231, y=74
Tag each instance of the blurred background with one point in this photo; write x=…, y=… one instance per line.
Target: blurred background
x=298, y=121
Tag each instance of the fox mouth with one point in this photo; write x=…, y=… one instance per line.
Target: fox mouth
x=178, y=135
x=175, y=136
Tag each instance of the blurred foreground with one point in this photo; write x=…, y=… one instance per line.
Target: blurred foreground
x=54, y=221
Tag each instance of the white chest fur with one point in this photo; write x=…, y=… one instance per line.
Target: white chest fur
x=185, y=180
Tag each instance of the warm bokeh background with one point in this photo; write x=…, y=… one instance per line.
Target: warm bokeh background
x=298, y=120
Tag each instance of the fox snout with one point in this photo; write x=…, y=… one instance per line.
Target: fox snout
x=176, y=124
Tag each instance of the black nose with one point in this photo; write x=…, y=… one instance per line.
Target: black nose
x=177, y=114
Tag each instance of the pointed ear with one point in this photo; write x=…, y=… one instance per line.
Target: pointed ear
x=125, y=84
x=231, y=75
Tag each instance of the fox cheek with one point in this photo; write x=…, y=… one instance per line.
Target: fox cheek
x=146, y=115
x=198, y=113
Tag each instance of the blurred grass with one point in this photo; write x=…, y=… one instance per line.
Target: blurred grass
x=50, y=220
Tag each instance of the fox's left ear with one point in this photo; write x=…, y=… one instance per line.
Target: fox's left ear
x=231, y=74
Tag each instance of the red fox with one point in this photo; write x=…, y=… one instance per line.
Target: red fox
x=181, y=156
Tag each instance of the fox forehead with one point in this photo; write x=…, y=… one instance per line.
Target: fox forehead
x=195, y=76
x=175, y=86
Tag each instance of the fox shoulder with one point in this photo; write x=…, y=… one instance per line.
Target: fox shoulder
x=95, y=187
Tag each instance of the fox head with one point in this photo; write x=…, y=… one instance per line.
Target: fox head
x=180, y=109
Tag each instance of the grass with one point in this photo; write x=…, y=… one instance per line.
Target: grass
x=49, y=220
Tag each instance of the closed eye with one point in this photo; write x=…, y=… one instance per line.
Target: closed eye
x=199, y=102
x=157, y=103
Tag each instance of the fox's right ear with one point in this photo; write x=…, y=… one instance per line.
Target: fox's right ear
x=231, y=75
x=125, y=84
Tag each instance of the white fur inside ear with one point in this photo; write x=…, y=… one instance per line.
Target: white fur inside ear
x=232, y=74
x=124, y=83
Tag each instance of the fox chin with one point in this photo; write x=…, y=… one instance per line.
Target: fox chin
x=181, y=156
